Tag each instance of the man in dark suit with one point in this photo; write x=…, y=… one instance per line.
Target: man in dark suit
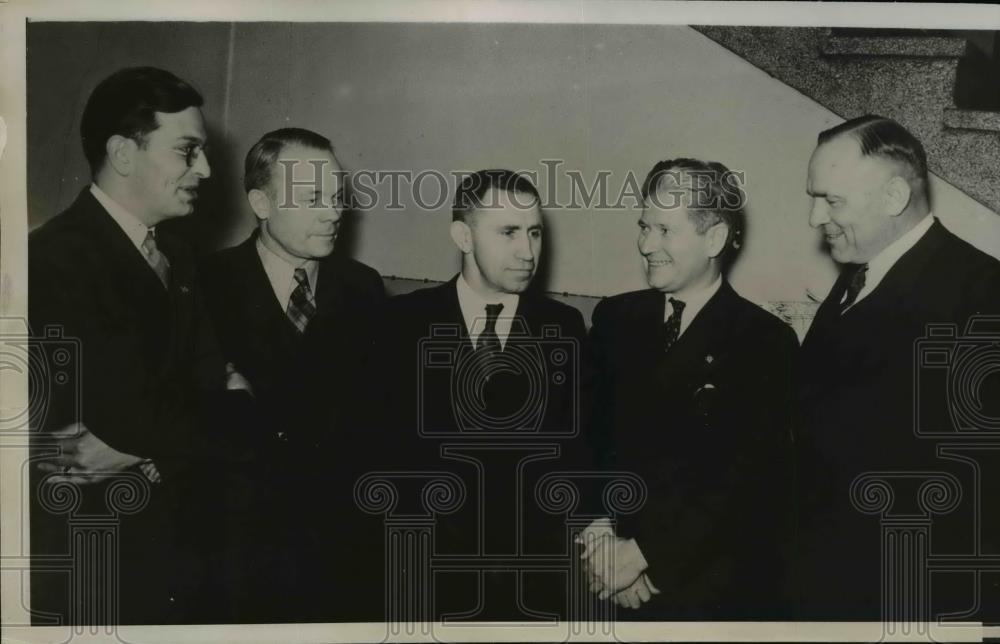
x=901, y=271
x=492, y=370
x=694, y=388
x=152, y=392
x=296, y=319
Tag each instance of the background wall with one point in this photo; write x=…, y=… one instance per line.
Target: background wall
x=448, y=97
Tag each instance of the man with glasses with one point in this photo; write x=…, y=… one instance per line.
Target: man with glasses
x=153, y=385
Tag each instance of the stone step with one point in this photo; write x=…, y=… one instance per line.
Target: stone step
x=905, y=47
x=910, y=78
x=956, y=119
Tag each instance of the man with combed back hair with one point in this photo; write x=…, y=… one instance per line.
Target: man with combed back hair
x=901, y=270
x=489, y=332
x=296, y=317
x=153, y=399
x=693, y=393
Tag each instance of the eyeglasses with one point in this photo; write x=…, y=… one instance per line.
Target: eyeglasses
x=191, y=153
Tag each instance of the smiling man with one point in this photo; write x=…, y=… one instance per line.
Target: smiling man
x=152, y=399
x=297, y=319
x=694, y=392
x=901, y=270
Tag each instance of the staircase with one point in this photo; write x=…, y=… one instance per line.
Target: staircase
x=912, y=76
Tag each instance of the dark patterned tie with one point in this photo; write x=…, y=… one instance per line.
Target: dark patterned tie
x=854, y=287
x=672, y=327
x=300, y=307
x=488, y=339
x=156, y=259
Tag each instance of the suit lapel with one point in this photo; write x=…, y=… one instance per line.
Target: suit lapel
x=132, y=268
x=331, y=298
x=702, y=345
x=263, y=310
x=525, y=322
x=452, y=310
x=898, y=282
x=890, y=292
x=132, y=281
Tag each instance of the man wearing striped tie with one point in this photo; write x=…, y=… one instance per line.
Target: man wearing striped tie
x=296, y=318
x=152, y=398
x=694, y=394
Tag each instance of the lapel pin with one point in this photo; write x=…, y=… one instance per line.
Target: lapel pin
x=709, y=359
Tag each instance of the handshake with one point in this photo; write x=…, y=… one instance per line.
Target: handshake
x=615, y=566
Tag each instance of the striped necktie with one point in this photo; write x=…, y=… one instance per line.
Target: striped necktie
x=157, y=260
x=300, y=304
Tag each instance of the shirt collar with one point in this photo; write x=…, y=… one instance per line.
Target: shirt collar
x=881, y=263
x=473, y=308
x=693, y=303
x=281, y=274
x=134, y=229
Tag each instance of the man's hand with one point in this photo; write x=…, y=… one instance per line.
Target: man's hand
x=598, y=528
x=84, y=458
x=589, y=536
x=636, y=594
x=235, y=379
x=614, y=564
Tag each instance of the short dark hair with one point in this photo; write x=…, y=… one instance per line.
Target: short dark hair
x=260, y=161
x=472, y=189
x=126, y=104
x=717, y=198
x=878, y=136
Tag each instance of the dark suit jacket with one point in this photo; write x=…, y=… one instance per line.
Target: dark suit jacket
x=707, y=426
x=308, y=391
x=424, y=338
x=151, y=383
x=305, y=384
x=856, y=414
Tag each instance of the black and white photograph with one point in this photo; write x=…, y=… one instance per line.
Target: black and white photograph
x=500, y=321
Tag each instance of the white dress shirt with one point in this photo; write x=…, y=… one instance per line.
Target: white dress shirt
x=129, y=223
x=885, y=260
x=281, y=274
x=693, y=303
x=474, y=311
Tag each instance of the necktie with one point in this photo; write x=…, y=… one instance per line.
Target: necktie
x=854, y=287
x=157, y=260
x=487, y=352
x=672, y=327
x=300, y=306
x=488, y=339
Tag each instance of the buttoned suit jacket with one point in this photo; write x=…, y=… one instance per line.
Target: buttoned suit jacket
x=707, y=426
x=431, y=392
x=146, y=376
x=309, y=395
x=862, y=382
